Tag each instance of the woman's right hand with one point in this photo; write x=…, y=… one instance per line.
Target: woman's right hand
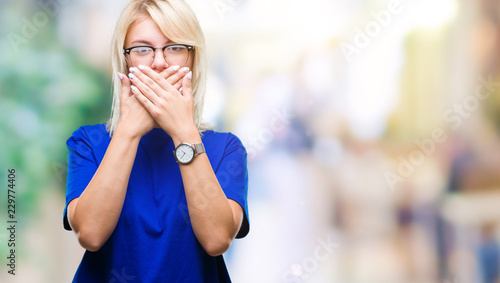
x=135, y=120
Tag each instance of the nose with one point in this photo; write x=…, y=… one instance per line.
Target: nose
x=159, y=63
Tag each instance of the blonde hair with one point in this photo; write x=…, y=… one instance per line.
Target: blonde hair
x=177, y=22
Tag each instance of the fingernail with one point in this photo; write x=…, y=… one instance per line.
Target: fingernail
x=190, y=75
x=176, y=67
x=134, y=89
x=131, y=76
x=185, y=69
x=120, y=76
x=131, y=69
x=141, y=67
x=180, y=89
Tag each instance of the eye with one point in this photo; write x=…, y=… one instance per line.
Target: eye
x=141, y=50
x=176, y=48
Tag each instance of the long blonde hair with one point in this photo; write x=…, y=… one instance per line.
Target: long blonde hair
x=177, y=22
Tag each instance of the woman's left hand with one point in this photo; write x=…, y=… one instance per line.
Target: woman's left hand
x=171, y=108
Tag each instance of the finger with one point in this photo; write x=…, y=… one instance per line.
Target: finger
x=177, y=77
x=167, y=73
x=125, y=86
x=158, y=79
x=186, y=86
x=153, y=80
x=146, y=103
x=144, y=89
x=178, y=85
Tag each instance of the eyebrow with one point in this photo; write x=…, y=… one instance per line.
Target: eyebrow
x=142, y=41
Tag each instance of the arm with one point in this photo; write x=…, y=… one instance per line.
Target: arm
x=215, y=219
x=94, y=215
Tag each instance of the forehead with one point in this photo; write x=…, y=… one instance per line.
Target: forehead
x=145, y=31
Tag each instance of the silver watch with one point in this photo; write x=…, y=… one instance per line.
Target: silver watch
x=184, y=153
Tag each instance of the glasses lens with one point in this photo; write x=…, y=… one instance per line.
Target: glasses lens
x=176, y=55
x=141, y=56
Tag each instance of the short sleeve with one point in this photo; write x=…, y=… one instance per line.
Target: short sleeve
x=82, y=166
x=232, y=175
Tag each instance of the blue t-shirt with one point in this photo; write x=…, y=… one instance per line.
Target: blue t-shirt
x=153, y=240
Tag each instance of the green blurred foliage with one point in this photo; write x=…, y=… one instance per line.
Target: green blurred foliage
x=47, y=91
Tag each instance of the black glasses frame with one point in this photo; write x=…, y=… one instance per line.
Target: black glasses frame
x=189, y=48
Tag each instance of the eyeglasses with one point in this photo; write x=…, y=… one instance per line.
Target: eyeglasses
x=174, y=54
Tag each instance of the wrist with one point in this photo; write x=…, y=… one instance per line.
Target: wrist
x=191, y=136
x=124, y=134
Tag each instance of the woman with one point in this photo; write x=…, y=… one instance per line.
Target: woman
x=154, y=195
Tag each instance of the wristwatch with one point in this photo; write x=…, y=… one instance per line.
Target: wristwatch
x=184, y=153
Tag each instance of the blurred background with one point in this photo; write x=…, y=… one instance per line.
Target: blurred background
x=372, y=130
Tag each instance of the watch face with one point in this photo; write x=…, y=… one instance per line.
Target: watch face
x=184, y=153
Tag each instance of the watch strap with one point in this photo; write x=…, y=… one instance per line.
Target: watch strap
x=198, y=148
